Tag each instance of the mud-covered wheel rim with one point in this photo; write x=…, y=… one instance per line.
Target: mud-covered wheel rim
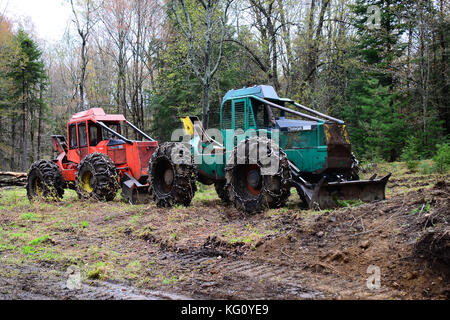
x=164, y=176
x=87, y=180
x=45, y=181
x=253, y=179
x=172, y=175
x=97, y=178
x=251, y=185
x=38, y=187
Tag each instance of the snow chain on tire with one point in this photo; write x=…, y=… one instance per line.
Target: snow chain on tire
x=45, y=181
x=276, y=182
x=176, y=158
x=103, y=183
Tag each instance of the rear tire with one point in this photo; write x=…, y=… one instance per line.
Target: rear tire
x=248, y=188
x=172, y=175
x=45, y=181
x=97, y=178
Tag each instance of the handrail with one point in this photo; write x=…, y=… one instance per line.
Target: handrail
x=287, y=109
x=317, y=113
x=114, y=132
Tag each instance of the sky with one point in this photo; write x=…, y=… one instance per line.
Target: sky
x=50, y=17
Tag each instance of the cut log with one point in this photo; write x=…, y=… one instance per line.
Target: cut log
x=13, y=179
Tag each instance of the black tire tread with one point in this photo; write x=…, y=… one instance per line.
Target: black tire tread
x=185, y=177
x=51, y=176
x=104, y=170
x=267, y=198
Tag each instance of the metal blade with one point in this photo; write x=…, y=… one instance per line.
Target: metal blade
x=326, y=194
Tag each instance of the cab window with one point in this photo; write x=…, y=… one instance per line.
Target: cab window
x=114, y=127
x=95, y=134
x=82, y=135
x=226, y=116
x=260, y=113
x=72, y=136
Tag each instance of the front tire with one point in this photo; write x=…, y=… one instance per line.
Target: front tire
x=255, y=183
x=45, y=181
x=172, y=175
x=97, y=178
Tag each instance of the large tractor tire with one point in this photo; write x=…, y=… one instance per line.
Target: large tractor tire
x=172, y=175
x=222, y=192
x=255, y=183
x=45, y=181
x=97, y=178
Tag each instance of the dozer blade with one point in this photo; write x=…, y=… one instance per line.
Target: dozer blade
x=326, y=194
x=134, y=192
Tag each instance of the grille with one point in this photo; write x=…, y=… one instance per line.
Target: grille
x=144, y=155
x=118, y=156
x=239, y=111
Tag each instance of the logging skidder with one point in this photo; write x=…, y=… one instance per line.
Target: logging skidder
x=308, y=150
x=96, y=161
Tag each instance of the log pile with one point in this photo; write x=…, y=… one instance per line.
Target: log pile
x=12, y=179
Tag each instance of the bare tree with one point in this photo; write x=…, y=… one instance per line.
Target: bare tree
x=84, y=19
x=116, y=15
x=202, y=43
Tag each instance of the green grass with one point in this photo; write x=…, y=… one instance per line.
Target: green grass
x=205, y=194
x=170, y=280
x=39, y=240
x=349, y=203
x=84, y=224
x=98, y=271
x=29, y=250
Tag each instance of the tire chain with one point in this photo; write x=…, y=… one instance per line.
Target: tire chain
x=52, y=179
x=184, y=180
x=267, y=198
x=107, y=185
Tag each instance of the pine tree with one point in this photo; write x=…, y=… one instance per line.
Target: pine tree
x=28, y=77
x=377, y=125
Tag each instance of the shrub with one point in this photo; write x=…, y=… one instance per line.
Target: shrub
x=410, y=154
x=426, y=168
x=442, y=158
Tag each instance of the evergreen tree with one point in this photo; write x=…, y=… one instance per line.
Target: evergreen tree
x=28, y=76
x=374, y=111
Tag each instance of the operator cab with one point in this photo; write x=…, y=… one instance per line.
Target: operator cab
x=260, y=108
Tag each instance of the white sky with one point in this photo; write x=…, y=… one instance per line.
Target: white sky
x=50, y=17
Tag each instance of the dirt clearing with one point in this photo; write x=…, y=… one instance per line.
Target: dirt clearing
x=211, y=251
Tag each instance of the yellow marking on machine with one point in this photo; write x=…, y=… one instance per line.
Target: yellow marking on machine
x=188, y=126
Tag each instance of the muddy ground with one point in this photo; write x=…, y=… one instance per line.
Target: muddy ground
x=210, y=251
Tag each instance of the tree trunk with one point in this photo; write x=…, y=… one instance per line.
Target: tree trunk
x=24, y=127
x=205, y=105
x=13, y=142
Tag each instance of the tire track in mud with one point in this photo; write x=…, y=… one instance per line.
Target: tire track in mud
x=43, y=283
x=287, y=280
